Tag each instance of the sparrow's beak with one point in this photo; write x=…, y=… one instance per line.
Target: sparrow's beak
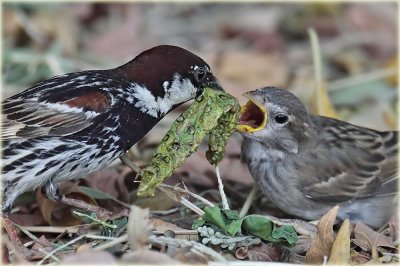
x=253, y=115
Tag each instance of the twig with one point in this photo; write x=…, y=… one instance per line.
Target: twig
x=112, y=243
x=301, y=227
x=248, y=202
x=187, y=243
x=48, y=254
x=181, y=190
x=191, y=206
x=164, y=212
x=224, y=200
x=124, y=238
x=51, y=229
x=70, y=243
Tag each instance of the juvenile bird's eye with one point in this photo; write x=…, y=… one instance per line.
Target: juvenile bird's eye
x=200, y=73
x=281, y=119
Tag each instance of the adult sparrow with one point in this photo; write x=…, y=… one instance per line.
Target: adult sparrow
x=69, y=126
x=305, y=164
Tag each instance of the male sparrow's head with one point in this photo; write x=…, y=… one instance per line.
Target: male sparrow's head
x=170, y=70
x=276, y=118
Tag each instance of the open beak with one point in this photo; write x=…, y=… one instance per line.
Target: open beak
x=253, y=116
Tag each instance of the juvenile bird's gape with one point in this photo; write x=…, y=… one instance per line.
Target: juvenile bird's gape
x=306, y=164
x=69, y=126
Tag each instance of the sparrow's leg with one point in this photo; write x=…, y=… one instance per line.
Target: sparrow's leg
x=130, y=164
x=52, y=191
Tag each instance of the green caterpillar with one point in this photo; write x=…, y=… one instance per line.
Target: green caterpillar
x=215, y=113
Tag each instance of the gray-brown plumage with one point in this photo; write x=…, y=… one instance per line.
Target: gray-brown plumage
x=306, y=164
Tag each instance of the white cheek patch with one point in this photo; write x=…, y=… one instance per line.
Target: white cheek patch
x=180, y=91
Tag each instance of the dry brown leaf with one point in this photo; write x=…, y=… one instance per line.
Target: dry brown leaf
x=112, y=182
x=340, y=254
x=42, y=243
x=259, y=253
x=162, y=226
x=268, y=252
x=59, y=214
x=186, y=256
x=139, y=227
x=366, y=238
x=90, y=257
x=149, y=257
x=28, y=218
x=359, y=257
x=322, y=244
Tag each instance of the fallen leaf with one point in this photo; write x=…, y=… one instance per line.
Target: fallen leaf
x=340, y=254
x=111, y=181
x=90, y=257
x=59, y=214
x=268, y=252
x=149, y=257
x=186, y=256
x=359, y=257
x=366, y=238
x=28, y=219
x=322, y=244
x=42, y=243
x=139, y=227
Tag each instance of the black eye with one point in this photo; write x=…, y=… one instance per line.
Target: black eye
x=281, y=119
x=200, y=73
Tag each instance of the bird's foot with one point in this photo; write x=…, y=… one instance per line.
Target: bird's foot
x=51, y=191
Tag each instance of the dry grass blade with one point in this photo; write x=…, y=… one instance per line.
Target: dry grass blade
x=181, y=243
x=176, y=195
x=340, y=254
x=249, y=200
x=139, y=227
x=185, y=191
x=321, y=104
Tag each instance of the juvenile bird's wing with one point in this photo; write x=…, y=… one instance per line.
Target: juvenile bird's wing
x=56, y=107
x=350, y=162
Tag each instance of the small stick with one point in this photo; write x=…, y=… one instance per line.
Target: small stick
x=191, y=206
x=178, y=189
x=52, y=229
x=248, y=202
x=72, y=242
x=187, y=243
x=224, y=200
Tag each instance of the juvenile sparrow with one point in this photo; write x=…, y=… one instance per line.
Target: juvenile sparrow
x=69, y=126
x=305, y=164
